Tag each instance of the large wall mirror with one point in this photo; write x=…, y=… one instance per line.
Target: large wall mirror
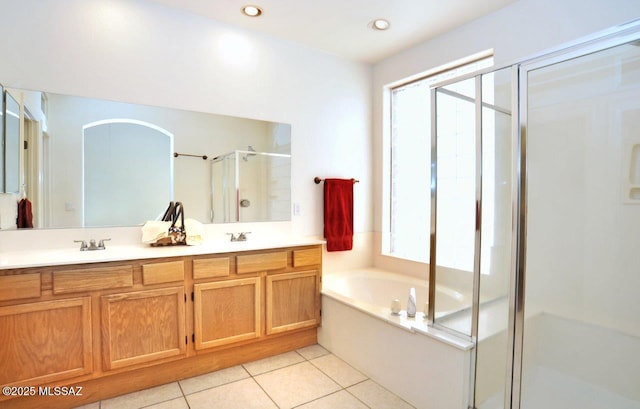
x=10, y=137
x=96, y=163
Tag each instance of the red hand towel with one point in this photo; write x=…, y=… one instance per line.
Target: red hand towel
x=25, y=216
x=338, y=214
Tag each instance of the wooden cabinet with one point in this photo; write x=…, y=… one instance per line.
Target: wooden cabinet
x=227, y=311
x=45, y=341
x=142, y=326
x=116, y=327
x=293, y=301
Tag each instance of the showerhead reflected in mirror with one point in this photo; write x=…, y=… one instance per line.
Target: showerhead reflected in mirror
x=68, y=181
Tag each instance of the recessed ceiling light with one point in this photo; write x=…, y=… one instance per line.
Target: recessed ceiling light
x=380, y=24
x=252, y=11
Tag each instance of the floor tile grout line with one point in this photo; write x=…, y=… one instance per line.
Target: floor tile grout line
x=184, y=396
x=335, y=380
x=357, y=398
x=213, y=387
x=286, y=366
x=265, y=392
x=304, y=359
x=270, y=370
x=333, y=393
x=342, y=388
x=318, y=398
x=166, y=400
x=386, y=389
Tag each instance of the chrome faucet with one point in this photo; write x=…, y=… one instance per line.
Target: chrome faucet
x=92, y=245
x=242, y=236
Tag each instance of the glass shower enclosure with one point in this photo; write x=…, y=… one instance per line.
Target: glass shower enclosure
x=536, y=225
x=249, y=186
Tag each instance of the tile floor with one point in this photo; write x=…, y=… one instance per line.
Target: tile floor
x=309, y=378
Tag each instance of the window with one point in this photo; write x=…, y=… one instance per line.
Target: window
x=409, y=160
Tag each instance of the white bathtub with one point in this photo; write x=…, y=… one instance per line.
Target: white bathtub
x=426, y=367
x=374, y=288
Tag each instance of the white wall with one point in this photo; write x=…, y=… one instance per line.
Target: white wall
x=516, y=32
x=140, y=52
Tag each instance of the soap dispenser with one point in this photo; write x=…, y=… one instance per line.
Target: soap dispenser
x=411, y=303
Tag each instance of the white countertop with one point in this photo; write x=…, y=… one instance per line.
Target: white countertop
x=64, y=256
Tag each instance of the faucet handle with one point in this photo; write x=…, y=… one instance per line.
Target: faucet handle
x=233, y=237
x=83, y=246
x=101, y=244
x=242, y=236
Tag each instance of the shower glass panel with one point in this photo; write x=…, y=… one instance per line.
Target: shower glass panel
x=249, y=186
x=455, y=204
x=223, y=189
x=264, y=187
x=495, y=250
x=581, y=346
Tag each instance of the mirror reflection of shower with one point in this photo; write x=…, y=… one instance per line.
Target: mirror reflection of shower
x=248, y=185
x=246, y=156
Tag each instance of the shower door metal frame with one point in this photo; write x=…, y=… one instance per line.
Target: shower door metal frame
x=479, y=105
x=615, y=36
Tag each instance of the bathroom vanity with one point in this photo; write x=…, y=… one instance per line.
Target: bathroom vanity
x=111, y=327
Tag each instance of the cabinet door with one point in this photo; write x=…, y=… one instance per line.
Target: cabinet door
x=142, y=326
x=293, y=301
x=227, y=311
x=45, y=341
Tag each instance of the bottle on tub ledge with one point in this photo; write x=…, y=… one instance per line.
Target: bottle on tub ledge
x=411, y=303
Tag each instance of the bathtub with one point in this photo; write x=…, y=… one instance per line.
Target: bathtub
x=427, y=367
x=374, y=289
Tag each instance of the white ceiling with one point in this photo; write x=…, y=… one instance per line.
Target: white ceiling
x=342, y=27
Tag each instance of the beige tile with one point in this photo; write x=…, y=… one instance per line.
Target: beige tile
x=297, y=384
x=338, y=400
x=312, y=351
x=213, y=379
x=272, y=363
x=338, y=370
x=94, y=405
x=244, y=394
x=377, y=397
x=143, y=398
x=178, y=403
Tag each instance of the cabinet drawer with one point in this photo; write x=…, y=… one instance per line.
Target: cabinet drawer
x=261, y=262
x=211, y=267
x=307, y=257
x=19, y=286
x=90, y=279
x=158, y=273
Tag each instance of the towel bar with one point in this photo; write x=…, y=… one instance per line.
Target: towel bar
x=317, y=180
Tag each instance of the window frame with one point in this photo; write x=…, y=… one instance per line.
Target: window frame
x=457, y=68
